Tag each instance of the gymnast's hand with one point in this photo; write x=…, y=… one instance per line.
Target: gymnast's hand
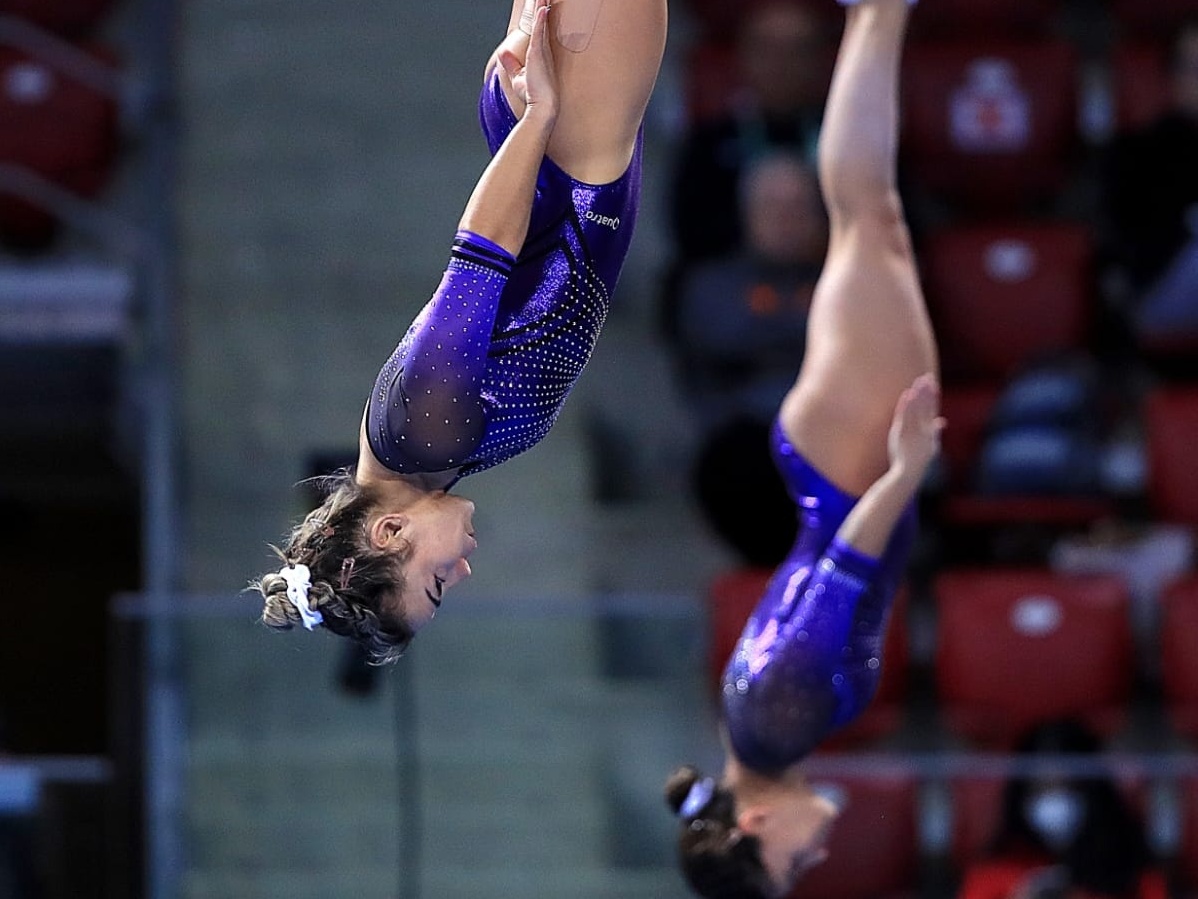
x=535, y=77
x=914, y=438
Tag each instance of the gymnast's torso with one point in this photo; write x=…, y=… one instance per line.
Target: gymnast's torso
x=810, y=656
x=483, y=371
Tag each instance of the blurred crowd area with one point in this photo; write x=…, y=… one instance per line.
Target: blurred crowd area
x=1049, y=169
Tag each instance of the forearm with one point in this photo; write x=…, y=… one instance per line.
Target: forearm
x=869, y=525
x=500, y=207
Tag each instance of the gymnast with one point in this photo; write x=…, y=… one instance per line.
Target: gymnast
x=485, y=367
x=852, y=439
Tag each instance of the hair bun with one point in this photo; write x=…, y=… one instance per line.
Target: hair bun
x=679, y=785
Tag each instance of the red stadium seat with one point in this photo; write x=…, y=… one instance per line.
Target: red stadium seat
x=1140, y=78
x=1002, y=295
x=712, y=81
x=976, y=813
x=56, y=127
x=874, y=846
x=1171, y=419
x=1158, y=17
x=1018, y=647
x=987, y=17
x=732, y=598
x=967, y=409
x=67, y=17
x=990, y=126
x=1179, y=660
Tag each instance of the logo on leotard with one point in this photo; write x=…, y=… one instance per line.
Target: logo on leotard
x=607, y=221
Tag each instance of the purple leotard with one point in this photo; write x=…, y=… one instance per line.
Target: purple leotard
x=484, y=369
x=810, y=656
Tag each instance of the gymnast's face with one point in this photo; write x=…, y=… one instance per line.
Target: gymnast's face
x=437, y=536
x=783, y=57
x=792, y=833
x=782, y=212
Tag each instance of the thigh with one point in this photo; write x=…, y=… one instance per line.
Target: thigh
x=607, y=53
x=868, y=338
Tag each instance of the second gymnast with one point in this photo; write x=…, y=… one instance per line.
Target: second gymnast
x=853, y=440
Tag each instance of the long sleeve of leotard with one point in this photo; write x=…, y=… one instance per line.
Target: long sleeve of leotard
x=426, y=412
x=810, y=666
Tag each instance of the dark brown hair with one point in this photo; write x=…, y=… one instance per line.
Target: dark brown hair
x=718, y=860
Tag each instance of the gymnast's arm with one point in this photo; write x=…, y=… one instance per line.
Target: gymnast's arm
x=914, y=441
x=501, y=206
x=426, y=404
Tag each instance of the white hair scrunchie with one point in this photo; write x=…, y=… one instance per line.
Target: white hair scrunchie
x=697, y=798
x=299, y=582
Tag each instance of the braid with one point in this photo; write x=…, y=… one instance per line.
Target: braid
x=351, y=579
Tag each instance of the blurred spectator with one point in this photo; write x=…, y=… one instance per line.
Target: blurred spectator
x=1152, y=202
x=741, y=330
x=784, y=53
x=1065, y=837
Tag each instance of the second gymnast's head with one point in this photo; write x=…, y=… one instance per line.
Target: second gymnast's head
x=372, y=562
x=747, y=837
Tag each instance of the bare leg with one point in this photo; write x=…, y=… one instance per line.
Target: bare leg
x=607, y=54
x=868, y=332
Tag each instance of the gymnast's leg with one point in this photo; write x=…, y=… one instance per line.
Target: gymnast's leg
x=868, y=331
x=607, y=54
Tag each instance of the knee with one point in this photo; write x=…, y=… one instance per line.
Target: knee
x=876, y=217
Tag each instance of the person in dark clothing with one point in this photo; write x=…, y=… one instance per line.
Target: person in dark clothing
x=1151, y=185
x=785, y=54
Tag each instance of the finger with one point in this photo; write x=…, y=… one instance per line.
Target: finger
x=512, y=64
x=540, y=26
x=537, y=49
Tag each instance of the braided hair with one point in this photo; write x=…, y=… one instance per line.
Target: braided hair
x=718, y=860
x=351, y=579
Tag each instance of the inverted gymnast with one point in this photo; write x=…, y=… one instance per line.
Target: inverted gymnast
x=485, y=367
x=853, y=439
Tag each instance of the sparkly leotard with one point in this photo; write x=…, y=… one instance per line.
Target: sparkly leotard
x=484, y=369
x=809, y=658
